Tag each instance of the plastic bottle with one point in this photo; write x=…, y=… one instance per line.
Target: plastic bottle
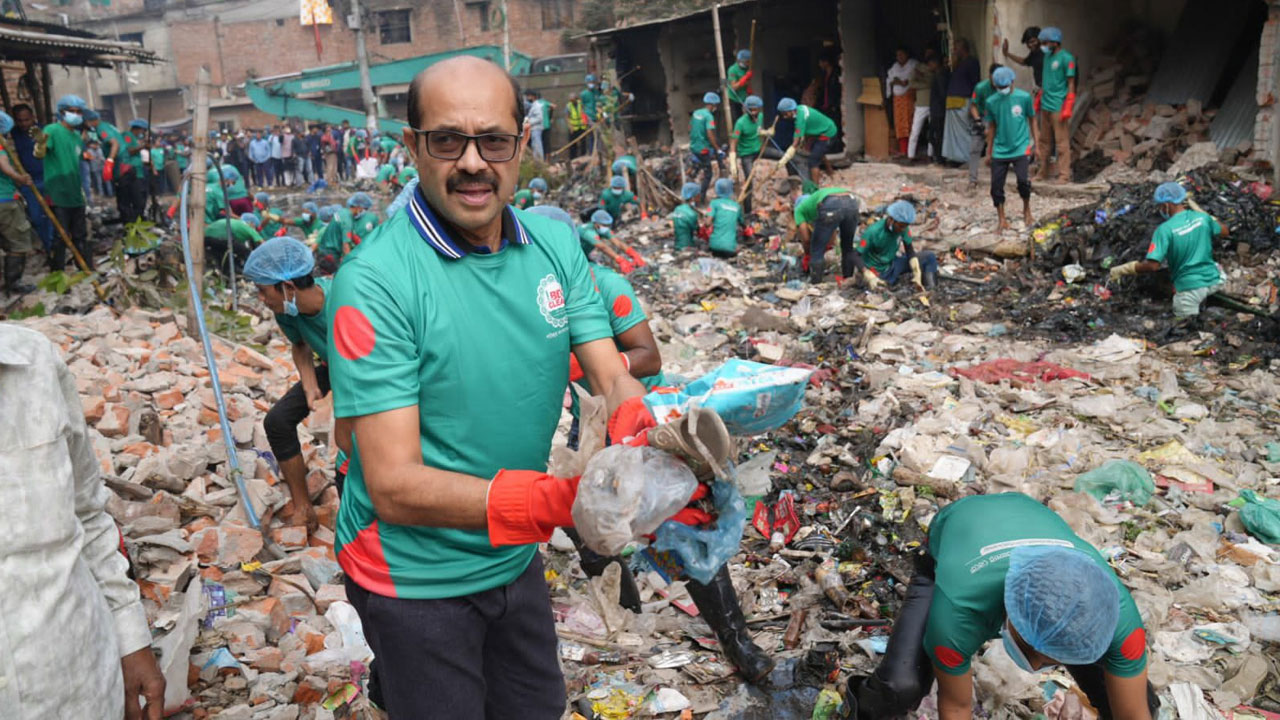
x=828, y=577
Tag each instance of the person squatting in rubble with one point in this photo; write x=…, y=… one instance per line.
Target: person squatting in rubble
x=727, y=221
x=616, y=196
x=1185, y=241
x=595, y=235
x=1005, y=566
x=282, y=269
x=529, y=196
x=704, y=146
x=877, y=255
x=1011, y=142
x=244, y=237
x=451, y=335
x=717, y=601
x=684, y=219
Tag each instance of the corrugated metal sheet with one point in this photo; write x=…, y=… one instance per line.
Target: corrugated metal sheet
x=1234, y=122
x=1202, y=44
x=32, y=40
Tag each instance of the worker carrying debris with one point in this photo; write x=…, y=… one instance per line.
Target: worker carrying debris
x=1010, y=142
x=814, y=133
x=282, y=270
x=1057, y=102
x=455, y=397
x=1185, y=241
x=704, y=147
x=820, y=215
x=1005, y=566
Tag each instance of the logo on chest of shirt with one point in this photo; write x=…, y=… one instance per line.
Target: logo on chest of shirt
x=1016, y=110
x=1055, y=65
x=551, y=302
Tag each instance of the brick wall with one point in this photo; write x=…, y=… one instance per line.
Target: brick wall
x=1266, y=127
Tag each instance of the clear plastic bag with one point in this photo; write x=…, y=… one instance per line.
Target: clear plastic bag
x=627, y=492
x=1129, y=479
x=705, y=550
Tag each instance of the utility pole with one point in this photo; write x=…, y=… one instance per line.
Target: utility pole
x=506, y=39
x=362, y=57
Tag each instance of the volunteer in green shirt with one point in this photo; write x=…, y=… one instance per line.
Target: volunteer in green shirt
x=61, y=151
x=156, y=179
x=308, y=221
x=451, y=336
x=595, y=235
x=744, y=143
x=244, y=238
x=1185, y=242
x=16, y=236
x=282, y=269
x=820, y=215
x=363, y=219
x=386, y=171
x=271, y=221
x=523, y=199
x=615, y=196
x=738, y=78
x=727, y=221
x=588, y=108
x=704, y=147
x=684, y=219
x=132, y=180
x=1005, y=566
x=625, y=166
x=814, y=133
x=531, y=195
x=407, y=173
x=1057, y=102
x=878, y=250
x=1010, y=142
x=977, y=106
x=334, y=244
x=611, y=103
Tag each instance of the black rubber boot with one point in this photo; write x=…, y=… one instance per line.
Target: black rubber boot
x=718, y=604
x=929, y=280
x=594, y=564
x=13, y=266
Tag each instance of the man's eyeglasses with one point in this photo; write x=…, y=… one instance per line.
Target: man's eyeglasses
x=450, y=145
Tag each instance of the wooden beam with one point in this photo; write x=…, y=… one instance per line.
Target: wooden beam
x=195, y=221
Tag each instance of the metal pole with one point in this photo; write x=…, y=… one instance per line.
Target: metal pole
x=198, y=188
x=366, y=85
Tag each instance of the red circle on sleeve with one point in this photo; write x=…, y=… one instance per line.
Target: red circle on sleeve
x=947, y=656
x=353, y=335
x=1151, y=248
x=1134, y=645
x=622, y=306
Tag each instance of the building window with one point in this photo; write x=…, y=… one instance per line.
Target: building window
x=131, y=37
x=154, y=4
x=393, y=27
x=480, y=10
x=557, y=14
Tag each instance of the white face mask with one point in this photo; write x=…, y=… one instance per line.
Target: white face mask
x=1044, y=49
x=1006, y=90
x=616, y=191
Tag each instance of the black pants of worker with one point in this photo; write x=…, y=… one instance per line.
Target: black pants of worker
x=215, y=249
x=281, y=422
x=745, y=163
x=835, y=213
x=702, y=166
x=73, y=221
x=1000, y=173
x=130, y=193
x=905, y=674
x=817, y=154
x=490, y=655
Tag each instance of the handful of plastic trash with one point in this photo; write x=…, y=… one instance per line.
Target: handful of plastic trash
x=627, y=492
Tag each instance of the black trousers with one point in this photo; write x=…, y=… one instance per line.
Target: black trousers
x=1000, y=173
x=73, y=221
x=281, y=422
x=746, y=163
x=702, y=166
x=836, y=212
x=490, y=655
x=131, y=194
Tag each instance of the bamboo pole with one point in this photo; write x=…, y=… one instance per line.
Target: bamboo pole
x=198, y=190
x=724, y=94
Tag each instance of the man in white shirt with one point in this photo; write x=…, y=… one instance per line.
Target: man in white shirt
x=74, y=641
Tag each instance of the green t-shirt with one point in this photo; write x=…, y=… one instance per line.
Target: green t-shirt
x=311, y=329
x=335, y=234
x=385, y=172
x=589, y=237
x=307, y=226
x=241, y=232
x=812, y=123
x=523, y=198
x=215, y=203
x=981, y=92
x=387, y=143
x=1012, y=115
x=732, y=76
x=620, y=301
x=807, y=211
x=180, y=155
x=62, y=166
x=1057, y=68
x=238, y=189
x=270, y=225
x=546, y=113
x=362, y=227
x=726, y=219
x=702, y=121
x=8, y=188
x=107, y=133
x=747, y=132
x=131, y=150
x=157, y=158
x=612, y=203
x=684, y=221
x=590, y=98
x=407, y=173
x=629, y=162
x=879, y=245
x=971, y=540
x=479, y=344
x=1185, y=241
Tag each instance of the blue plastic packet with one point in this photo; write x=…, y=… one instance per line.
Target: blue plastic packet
x=750, y=397
x=703, y=551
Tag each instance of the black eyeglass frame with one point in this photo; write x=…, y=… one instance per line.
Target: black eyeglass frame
x=467, y=140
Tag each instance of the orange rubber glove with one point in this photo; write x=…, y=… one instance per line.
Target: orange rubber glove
x=108, y=169
x=525, y=506
x=624, y=266
x=634, y=255
x=1068, y=106
x=631, y=420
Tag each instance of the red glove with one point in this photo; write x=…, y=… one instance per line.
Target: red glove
x=575, y=370
x=634, y=255
x=108, y=169
x=1068, y=106
x=690, y=515
x=525, y=506
x=746, y=78
x=1038, y=94
x=625, y=266
x=631, y=420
